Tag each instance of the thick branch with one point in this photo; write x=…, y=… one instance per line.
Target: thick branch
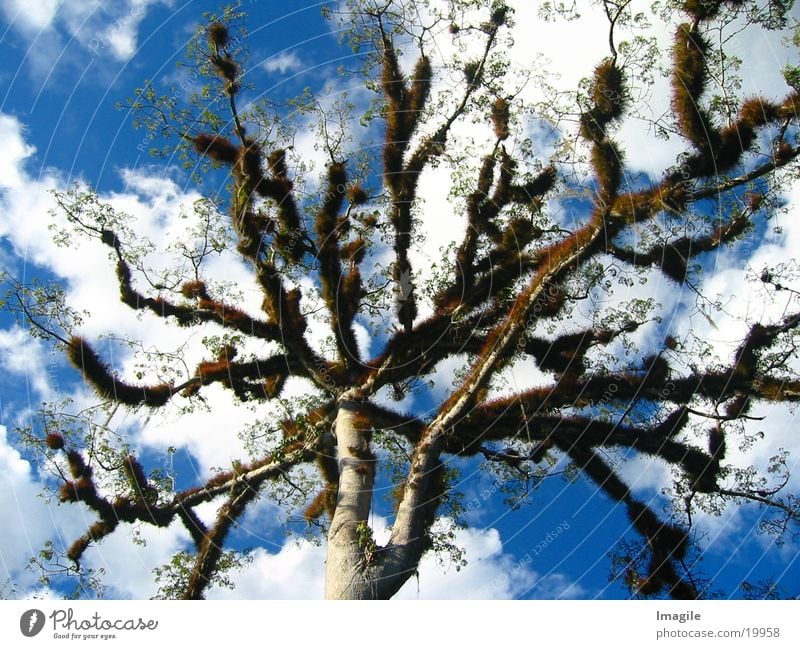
x=667, y=544
x=673, y=258
x=210, y=550
x=207, y=310
x=342, y=304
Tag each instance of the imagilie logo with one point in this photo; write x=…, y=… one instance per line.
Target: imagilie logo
x=31, y=622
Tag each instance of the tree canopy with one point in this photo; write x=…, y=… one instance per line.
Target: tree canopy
x=566, y=328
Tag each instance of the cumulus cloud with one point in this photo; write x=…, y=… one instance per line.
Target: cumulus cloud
x=27, y=363
x=30, y=15
x=102, y=28
x=762, y=55
x=129, y=566
x=159, y=208
x=161, y=211
x=283, y=63
x=27, y=202
x=15, y=151
x=28, y=520
x=490, y=573
x=297, y=571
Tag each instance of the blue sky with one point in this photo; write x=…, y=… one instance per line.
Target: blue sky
x=67, y=65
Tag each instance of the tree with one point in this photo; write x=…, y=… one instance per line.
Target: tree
x=518, y=285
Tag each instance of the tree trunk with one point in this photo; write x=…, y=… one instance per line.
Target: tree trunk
x=356, y=567
x=350, y=549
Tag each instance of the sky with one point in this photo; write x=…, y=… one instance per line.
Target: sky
x=69, y=67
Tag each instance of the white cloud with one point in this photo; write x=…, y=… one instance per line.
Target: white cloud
x=28, y=520
x=211, y=435
x=762, y=53
x=778, y=425
x=297, y=571
x=29, y=15
x=24, y=359
x=99, y=27
x=283, y=63
x=26, y=202
x=15, y=151
x=490, y=573
x=121, y=31
x=128, y=565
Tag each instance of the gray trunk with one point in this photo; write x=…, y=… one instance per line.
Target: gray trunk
x=349, y=551
x=356, y=568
